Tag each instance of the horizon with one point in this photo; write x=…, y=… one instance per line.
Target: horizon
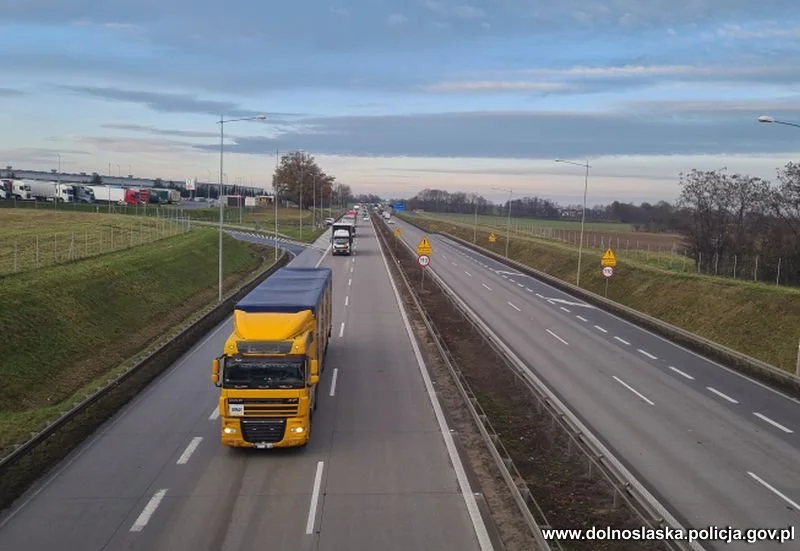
x=398, y=97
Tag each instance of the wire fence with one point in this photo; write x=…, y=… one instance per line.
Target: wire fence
x=27, y=252
x=664, y=252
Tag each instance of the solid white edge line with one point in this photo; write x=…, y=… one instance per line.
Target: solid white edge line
x=333, y=381
x=312, y=508
x=629, y=387
x=341, y=330
x=773, y=423
x=679, y=372
x=671, y=343
x=556, y=336
x=190, y=448
x=481, y=533
x=120, y=415
x=774, y=490
x=149, y=509
x=646, y=353
x=600, y=329
x=609, y=454
x=324, y=254
x=623, y=341
x=214, y=414
x=514, y=306
x=721, y=395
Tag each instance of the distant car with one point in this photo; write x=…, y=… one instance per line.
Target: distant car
x=329, y=221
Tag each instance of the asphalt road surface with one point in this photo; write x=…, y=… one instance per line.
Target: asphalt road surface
x=378, y=474
x=717, y=448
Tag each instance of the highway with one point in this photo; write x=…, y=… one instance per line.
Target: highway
x=380, y=472
x=717, y=448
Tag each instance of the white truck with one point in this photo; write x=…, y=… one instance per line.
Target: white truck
x=17, y=189
x=113, y=195
x=342, y=238
x=51, y=191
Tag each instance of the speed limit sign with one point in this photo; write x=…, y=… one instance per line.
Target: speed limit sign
x=424, y=260
x=608, y=271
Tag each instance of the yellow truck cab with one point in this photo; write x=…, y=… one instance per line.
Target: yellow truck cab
x=270, y=368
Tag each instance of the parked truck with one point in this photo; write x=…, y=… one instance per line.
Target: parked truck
x=17, y=189
x=271, y=364
x=83, y=193
x=51, y=191
x=342, y=234
x=115, y=195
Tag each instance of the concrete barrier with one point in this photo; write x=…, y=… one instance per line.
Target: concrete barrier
x=34, y=458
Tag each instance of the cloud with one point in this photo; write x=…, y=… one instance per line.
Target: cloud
x=581, y=79
x=498, y=86
x=451, y=9
x=396, y=19
x=668, y=129
x=160, y=132
x=757, y=33
x=174, y=103
x=135, y=145
x=8, y=92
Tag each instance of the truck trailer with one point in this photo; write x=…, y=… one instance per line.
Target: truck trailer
x=51, y=191
x=271, y=364
x=116, y=195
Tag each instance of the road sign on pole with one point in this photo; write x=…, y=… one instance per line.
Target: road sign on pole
x=397, y=232
x=424, y=247
x=424, y=260
x=608, y=271
x=492, y=237
x=609, y=260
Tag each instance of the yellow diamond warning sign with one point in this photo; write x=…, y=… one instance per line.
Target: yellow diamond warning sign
x=492, y=237
x=609, y=260
x=424, y=248
x=397, y=232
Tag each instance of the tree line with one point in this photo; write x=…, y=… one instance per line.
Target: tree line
x=731, y=224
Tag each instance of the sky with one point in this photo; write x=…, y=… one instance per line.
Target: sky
x=394, y=96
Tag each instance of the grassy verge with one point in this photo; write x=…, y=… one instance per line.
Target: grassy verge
x=263, y=218
x=33, y=239
x=599, y=235
x=756, y=319
x=68, y=327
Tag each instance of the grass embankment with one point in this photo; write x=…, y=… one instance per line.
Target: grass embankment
x=757, y=319
x=263, y=218
x=67, y=328
x=662, y=248
x=38, y=238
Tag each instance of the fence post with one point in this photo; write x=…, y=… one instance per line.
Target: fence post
x=16, y=247
x=797, y=366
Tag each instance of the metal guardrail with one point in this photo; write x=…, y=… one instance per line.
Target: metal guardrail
x=165, y=351
x=747, y=365
x=511, y=476
x=627, y=486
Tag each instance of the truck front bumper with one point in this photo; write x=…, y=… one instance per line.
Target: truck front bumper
x=264, y=432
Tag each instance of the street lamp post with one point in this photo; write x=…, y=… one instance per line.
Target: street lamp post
x=586, y=166
x=772, y=120
x=508, y=222
x=221, y=123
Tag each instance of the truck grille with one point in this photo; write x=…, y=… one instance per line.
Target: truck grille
x=270, y=407
x=262, y=430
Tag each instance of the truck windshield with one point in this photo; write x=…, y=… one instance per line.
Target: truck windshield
x=263, y=373
x=341, y=240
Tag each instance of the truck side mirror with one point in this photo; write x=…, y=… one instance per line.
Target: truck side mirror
x=314, y=379
x=315, y=368
x=215, y=372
